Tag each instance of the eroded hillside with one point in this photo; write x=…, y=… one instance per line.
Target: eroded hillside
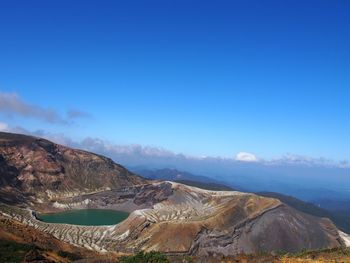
x=33, y=168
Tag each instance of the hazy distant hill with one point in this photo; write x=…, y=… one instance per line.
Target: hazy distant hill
x=342, y=220
x=184, y=177
x=207, y=186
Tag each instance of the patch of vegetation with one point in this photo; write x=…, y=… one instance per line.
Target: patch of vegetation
x=302, y=253
x=68, y=255
x=188, y=259
x=142, y=257
x=281, y=252
x=13, y=252
x=338, y=251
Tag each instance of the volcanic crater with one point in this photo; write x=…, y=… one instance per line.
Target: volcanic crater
x=38, y=176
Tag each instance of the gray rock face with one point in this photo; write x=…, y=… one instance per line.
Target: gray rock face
x=278, y=229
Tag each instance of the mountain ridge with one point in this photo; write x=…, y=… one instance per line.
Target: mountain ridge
x=31, y=165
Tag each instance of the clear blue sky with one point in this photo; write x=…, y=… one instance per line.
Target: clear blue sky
x=197, y=77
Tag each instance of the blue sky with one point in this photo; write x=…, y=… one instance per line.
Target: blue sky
x=196, y=77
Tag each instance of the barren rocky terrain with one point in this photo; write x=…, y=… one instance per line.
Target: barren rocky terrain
x=39, y=176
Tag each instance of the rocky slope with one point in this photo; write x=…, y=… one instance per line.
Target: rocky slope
x=33, y=169
x=37, y=175
x=179, y=219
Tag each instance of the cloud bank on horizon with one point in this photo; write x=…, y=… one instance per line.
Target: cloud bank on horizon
x=135, y=154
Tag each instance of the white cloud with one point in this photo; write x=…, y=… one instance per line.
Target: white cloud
x=3, y=126
x=246, y=157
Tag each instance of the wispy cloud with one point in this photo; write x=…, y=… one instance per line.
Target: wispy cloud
x=12, y=105
x=75, y=114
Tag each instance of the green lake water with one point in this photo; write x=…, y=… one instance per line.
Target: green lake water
x=85, y=217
